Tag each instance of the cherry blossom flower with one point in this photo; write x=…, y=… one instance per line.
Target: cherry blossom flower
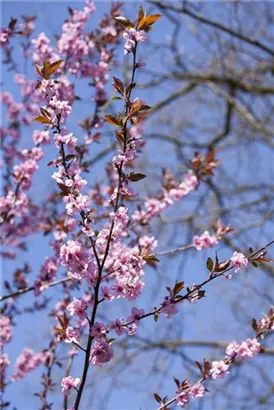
x=72, y=335
x=169, y=307
x=78, y=307
x=69, y=383
x=5, y=330
x=219, y=369
x=204, y=241
x=26, y=362
x=238, y=260
x=182, y=398
x=248, y=349
x=117, y=326
x=98, y=330
x=101, y=353
x=132, y=37
x=197, y=390
x=135, y=316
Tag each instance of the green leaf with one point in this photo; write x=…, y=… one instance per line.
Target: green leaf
x=209, y=264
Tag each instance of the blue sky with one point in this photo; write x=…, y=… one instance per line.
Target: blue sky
x=32, y=330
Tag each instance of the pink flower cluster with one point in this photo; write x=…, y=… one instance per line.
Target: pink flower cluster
x=247, y=349
x=5, y=330
x=78, y=262
x=219, y=369
x=155, y=206
x=42, y=50
x=69, y=383
x=47, y=273
x=204, y=241
x=101, y=353
x=238, y=260
x=183, y=398
x=132, y=37
x=73, y=43
x=78, y=307
x=27, y=362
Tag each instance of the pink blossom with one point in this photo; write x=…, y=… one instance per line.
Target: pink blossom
x=78, y=307
x=26, y=362
x=76, y=259
x=101, y=353
x=182, y=398
x=232, y=348
x=197, y=390
x=149, y=243
x=136, y=315
x=117, y=326
x=132, y=37
x=5, y=330
x=66, y=138
x=23, y=173
x=69, y=383
x=78, y=204
x=4, y=363
x=238, y=260
x=106, y=293
x=72, y=335
x=204, y=241
x=98, y=330
x=248, y=349
x=219, y=369
x=120, y=218
x=169, y=307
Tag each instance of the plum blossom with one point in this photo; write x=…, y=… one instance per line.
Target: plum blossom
x=169, y=307
x=102, y=352
x=72, y=335
x=77, y=260
x=78, y=204
x=136, y=315
x=66, y=138
x=204, y=241
x=5, y=330
x=197, y=390
x=98, y=330
x=69, y=383
x=78, y=307
x=232, y=349
x=219, y=369
x=106, y=293
x=182, y=398
x=120, y=218
x=132, y=37
x=238, y=260
x=117, y=326
x=4, y=363
x=248, y=349
x=26, y=362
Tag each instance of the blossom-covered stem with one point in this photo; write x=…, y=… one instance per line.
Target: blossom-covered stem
x=232, y=352
x=101, y=265
x=210, y=279
x=68, y=369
